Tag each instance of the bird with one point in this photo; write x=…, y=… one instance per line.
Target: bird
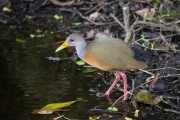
x=107, y=54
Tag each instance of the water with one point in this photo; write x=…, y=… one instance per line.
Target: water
x=29, y=81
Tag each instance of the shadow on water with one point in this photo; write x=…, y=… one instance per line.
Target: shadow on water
x=28, y=81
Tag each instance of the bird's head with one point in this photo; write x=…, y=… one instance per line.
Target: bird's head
x=74, y=39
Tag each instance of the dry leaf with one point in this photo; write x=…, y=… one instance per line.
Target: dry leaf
x=95, y=16
x=105, y=34
x=146, y=13
x=90, y=34
x=101, y=35
x=136, y=114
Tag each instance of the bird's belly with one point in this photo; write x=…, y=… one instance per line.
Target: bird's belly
x=95, y=63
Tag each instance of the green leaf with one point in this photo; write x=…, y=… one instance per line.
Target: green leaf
x=114, y=109
x=57, y=17
x=20, y=40
x=89, y=70
x=32, y=35
x=52, y=107
x=80, y=62
x=152, y=45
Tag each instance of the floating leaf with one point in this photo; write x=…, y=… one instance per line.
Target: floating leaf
x=39, y=31
x=114, y=109
x=6, y=9
x=89, y=70
x=127, y=118
x=80, y=62
x=57, y=17
x=28, y=17
x=102, y=111
x=52, y=107
x=20, y=40
x=32, y=35
x=40, y=35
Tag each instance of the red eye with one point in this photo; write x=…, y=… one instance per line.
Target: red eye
x=71, y=40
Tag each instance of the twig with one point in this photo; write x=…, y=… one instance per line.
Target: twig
x=127, y=24
x=170, y=110
x=95, y=23
x=3, y=21
x=133, y=87
x=153, y=48
x=163, y=38
x=155, y=80
x=170, y=97
x=92, y=9
x=70, y=3
x=156, y=25
x=108, y=4
x=171, y=104
x=172, y=75
x=115, y=19
x=146, y=71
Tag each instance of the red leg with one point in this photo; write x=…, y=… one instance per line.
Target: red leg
x=113, y=85
x=118, y=75
x=124, y=78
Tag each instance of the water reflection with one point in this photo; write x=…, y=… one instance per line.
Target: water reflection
x=29, y=81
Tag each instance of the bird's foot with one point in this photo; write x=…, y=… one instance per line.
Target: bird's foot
x=125, y=97
x=106, y=94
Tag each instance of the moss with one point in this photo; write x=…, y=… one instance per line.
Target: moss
x=148, y=98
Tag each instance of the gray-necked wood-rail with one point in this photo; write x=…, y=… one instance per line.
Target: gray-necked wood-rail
x=108, y=54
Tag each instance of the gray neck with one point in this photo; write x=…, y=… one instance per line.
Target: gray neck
x=81, y=49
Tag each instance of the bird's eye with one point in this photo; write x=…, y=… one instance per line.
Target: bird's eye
x=71, y=40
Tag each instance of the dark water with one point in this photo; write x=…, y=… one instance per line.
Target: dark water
x=29, y=81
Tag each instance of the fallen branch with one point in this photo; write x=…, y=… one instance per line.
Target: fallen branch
x=115, y=19
x=127, y=24
x=91, y=21
x=155, y=80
